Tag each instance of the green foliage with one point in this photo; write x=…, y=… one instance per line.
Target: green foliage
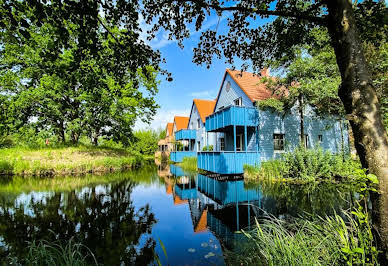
x=309, y=165
x=56, y=253
x=145, y=141
x=207, y=148
x=319, y=241
x=68, y=70
x=189, y=163
x=271, y=104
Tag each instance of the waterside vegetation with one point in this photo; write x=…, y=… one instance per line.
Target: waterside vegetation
x=66, y=160
x=308, y=165
x=337, y=240
x=189, y=164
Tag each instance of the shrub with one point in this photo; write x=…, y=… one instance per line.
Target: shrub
x=308, y=164
x=189, y=163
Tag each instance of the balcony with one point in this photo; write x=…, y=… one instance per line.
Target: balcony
x=185, y=134
x=230, y=116
x=227, y=162
x=177, y=156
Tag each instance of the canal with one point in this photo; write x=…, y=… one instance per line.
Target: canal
x=156, y=214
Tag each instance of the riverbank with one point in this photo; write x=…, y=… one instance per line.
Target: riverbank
x=67, y=161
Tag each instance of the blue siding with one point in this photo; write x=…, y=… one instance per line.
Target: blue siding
x=227, y=162
x=232, y=115
x=205, y=138
x=185, y=134
x=275, y=123
x=227, y=98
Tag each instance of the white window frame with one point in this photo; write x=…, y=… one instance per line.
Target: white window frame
x=279, y=141
x=238, y=101
x=239, y=136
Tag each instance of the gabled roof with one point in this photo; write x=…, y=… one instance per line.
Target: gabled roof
x=205, y=108
x=181, y=122
x=169, y=128
x=251, y=84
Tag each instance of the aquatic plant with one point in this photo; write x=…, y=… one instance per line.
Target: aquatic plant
x=189, y=163
x=67, y=253
x=332, y=240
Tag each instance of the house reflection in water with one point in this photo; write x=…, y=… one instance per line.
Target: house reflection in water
x=219, y=204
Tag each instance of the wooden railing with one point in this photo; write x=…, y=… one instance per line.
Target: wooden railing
x=227, y=162
x=232, y=115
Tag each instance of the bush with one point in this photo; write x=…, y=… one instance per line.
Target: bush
x=308, y=164
x=208, y=148
x=189, y=163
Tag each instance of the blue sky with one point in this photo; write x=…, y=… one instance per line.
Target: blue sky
x=190, y=81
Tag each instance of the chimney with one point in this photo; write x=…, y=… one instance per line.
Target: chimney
x=264, y=72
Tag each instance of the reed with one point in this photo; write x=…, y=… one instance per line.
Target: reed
x=332, y=240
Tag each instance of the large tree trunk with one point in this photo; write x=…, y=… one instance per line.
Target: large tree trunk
x=361, y=104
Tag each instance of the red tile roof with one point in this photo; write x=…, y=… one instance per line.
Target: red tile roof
x=205, y=108
x=181, y=122
x=251, y=84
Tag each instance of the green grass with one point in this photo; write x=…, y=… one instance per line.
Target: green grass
x=307, y=165
x=66, y=160
x=319, y=241
x=189, y=164
x=56, y=253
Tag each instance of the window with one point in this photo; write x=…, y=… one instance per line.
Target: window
x=198, y=123
x=238, y=102
x=222, y=144
x=306, y=141
x=320, y=139
x=228, y=85
x=198, y=146
x=278, y=142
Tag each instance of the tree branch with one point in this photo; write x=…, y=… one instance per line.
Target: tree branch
x=301, y=16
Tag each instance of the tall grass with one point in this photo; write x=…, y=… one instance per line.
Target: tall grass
x=66, y=160
x=56, y=253
x=320, y=241
x=189, y=163
x=307, y=164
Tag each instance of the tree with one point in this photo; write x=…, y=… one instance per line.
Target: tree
x=146, y=141
x=276, y=40
x=77, y=67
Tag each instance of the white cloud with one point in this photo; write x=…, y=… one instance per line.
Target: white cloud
x=203, y=94
x=161, y=119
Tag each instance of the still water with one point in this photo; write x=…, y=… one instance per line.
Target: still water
x=159, y=211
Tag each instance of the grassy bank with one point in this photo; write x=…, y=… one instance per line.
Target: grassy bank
x=307, y=165
x=189, y=164
x=66, y=161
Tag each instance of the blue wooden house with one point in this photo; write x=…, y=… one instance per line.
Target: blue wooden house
x=193, y=136
x=248, y=136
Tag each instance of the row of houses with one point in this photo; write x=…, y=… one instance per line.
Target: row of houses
x=229, y=132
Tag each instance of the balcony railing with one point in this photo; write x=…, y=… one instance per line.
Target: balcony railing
x=232, y=115
x=177, y=156
x=184, y=134
x=227, y=162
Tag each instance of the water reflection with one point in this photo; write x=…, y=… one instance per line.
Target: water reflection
x=193, y=215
